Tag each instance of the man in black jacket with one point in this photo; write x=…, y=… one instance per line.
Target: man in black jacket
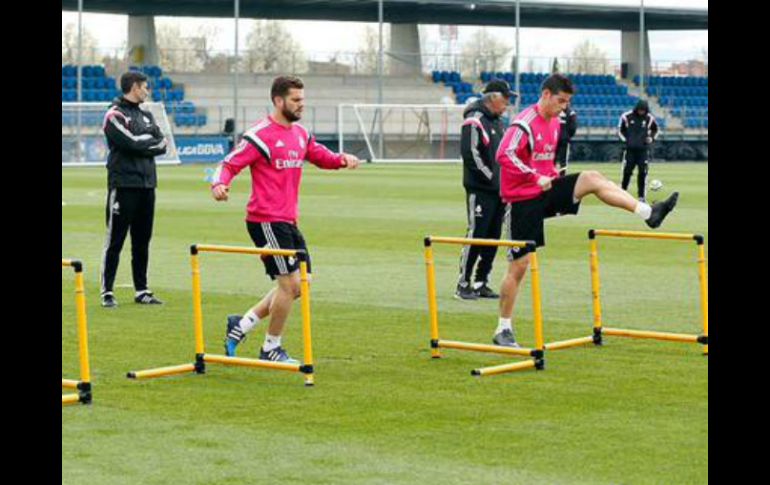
x=569, y=125
x=637, y=129
x=481, y=133
x=134, y=140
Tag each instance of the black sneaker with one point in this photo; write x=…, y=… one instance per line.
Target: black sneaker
x=506, y=339
x=109, y=301
x=485, y=291
x=147, y=298
x=661, y=209
x=466, y=293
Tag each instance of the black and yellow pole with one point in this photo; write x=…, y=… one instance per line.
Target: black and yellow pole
x=307, y=340
x=200, y=349
x=84, y=384
x=704, y=298
x=595, y=287
x=430, y=275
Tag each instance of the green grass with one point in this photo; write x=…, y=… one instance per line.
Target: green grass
x=383, y=412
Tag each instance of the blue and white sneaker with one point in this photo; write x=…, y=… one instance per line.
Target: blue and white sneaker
x=234, y=334
x=278, y=354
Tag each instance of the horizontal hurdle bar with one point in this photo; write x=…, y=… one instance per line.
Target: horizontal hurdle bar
x=161, y=371
x=644, y=334
x=70, y=399
x=500, y=369
x=478, y=242
x=566, y=344
x=676, y=236
x=212, y=248
x=243, y=362
x=69, y=384
x=72, y=263
x=493, y=349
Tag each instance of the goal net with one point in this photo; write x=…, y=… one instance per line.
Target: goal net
x=401, y=132
x=82, y=138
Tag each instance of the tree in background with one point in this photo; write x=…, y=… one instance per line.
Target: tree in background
x=555, y=66
x=271, y=48
x=366, y=56
x=483, y=52
x=180, y=53
x=587, y=58
x=69, y=45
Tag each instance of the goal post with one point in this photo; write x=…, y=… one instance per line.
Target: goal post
x=82, y=137
x=401, y=132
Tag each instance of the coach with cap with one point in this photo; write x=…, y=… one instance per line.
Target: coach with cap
x=482, y=130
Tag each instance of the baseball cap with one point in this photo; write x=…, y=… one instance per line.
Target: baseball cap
x=500, y=86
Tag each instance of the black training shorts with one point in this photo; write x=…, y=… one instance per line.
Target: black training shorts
x=278, y=235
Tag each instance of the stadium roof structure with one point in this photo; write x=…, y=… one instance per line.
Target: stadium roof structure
x=451, y=12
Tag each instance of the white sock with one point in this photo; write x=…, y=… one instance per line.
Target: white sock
x=271, y=342
x=505, y=323
x=643, y=210
x=248, y=322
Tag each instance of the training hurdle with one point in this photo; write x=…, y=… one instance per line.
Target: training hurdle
x=599, y=330
x=202, y=358
x=436, y=343
x=83, y=386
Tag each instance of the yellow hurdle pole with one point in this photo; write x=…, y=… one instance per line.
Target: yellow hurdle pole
x=162, y=371
x=499, y=369
x=645, y=235
x=489, y=348
x=69, y=384
x=214, y=248
x=69, y=399
x=566, y=344
x=537, y=309
x=597, y=304
x=704, y=299
x=244, y=362
x=430, y=275
x=197, y=310
x=307, y=368
x=646, y=334
x=80, y=304
x=478, y=242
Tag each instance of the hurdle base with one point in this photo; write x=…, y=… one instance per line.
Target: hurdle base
x=567, y=344
x=492, y=349
x=504, y=368
x=162, y=371
x=243, y=362
x=69, y=384
x=644, y=334
x=201, y=359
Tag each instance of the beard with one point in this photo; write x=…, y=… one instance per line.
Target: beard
x=291, y=116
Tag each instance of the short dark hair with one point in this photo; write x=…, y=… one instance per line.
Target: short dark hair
x=282, y=85
x=558, y=83
x=128, y=79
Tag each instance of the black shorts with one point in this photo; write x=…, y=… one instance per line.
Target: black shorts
x=278, y=235
x=525, y=220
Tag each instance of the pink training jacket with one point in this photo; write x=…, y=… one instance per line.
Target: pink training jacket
x=527, y=151
x=276, y=155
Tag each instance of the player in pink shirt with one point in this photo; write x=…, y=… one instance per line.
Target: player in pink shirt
x=275, y=150
x=531, y=187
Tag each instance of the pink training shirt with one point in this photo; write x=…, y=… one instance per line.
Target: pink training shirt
x=276, y=155
x=527, y=151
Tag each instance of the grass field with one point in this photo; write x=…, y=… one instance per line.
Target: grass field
x=383, y=412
